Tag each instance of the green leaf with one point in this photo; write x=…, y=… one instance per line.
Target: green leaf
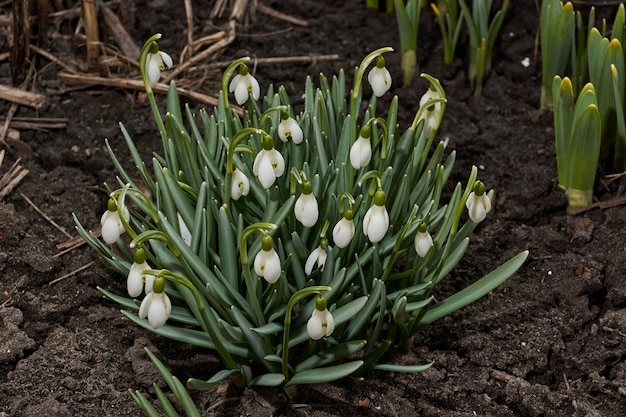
x=332, y=354
x=402, y=368
x=200, y=385
x=474, y=292
x=269, y=380
x=327, y=374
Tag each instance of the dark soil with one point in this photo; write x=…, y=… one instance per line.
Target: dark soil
x=549, y=342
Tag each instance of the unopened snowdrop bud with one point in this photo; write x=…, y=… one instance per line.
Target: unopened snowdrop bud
x=318, y=256
x=478, y=203
x=240, y=186
x=112, y=226
x=156, y=305
x=321, y=322
x=268, y=164
x=289, y=128
x=399, y=308
x=379, y=77
x=135, y=280
x=431, y=114
x=423, y=240
x=343, y=232
x=305, y=209
x=156, y=61
x=376, y=220
x=361, y=150
x=267, y=261
x=243, y=85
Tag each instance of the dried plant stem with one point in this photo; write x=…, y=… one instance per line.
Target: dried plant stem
x=70, y=274
x=90, y=17
x=46, y=217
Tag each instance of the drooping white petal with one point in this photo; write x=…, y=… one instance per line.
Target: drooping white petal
x=320, y=324
x=265, y=171
x=289, y=128
x=233, y=83
x=255, y=89
x=241, y=91
x=134, y=282
x=423, y=243
x=240, y=186
x=380, y=80
x=376, y=223
x=153, y=69
x=360, y=153
x=478, y=206
x=110, y=231
x=267, y=265
x=430, y=115
x=343, y=232
x=159, y=310
x=278, y=162
x=318, y=256
x=306, y=209
x=166, y=60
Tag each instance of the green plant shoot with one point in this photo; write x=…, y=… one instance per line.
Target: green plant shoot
x=450, y=24
x=483, y=35
x=557, y=34
x=577, y=140
x=408, y=18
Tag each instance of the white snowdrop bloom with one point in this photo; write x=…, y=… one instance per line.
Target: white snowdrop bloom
x=431, y=114
x=268, y=165
x=306, y=209
x=112, y=226
x=379, y=77
x=240, y=186
x=244, y=84
x=267, y=261
x=184, y=230
x=155, y=63
x=376, y=220
x=361, y=150
x=343, y=232
x=478, y=203
x=321, y=322
x=423, y=240
x=156, y=305
x=289, y=128
x=318, y=256
x=135, y=280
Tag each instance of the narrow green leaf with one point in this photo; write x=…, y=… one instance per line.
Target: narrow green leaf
x=201, y=385
x=327, y=374
x=268, y=380
x=402, y=368
x=332, y=354
x=474, y=292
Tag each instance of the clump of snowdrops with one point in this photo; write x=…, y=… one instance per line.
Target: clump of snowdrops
x=299, y=246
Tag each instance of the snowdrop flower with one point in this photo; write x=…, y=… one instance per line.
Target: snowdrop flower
x=112, y=226
x=268, y=164
x=379, y=77
x=156, y=61
x=376, y=220
x=478, y=203
x=423, y=240
x=244, y=84
x=289, y=128
x=267, y=261
x=156, y=305
x=318, y=256
x=135, y=280
x=239, y=186
x=343, y=232
x=361, y=150
x=321, y=322
x=431, y=114
x=305, y=209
